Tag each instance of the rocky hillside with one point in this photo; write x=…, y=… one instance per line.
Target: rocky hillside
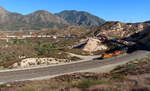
x=80, y=18
x=119, y=29
x=142, y=37
x=138, y=32
x=43, y=19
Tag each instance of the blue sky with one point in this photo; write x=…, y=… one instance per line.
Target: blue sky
x=113, y=10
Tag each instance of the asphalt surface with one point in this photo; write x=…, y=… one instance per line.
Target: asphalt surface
x=35, y=73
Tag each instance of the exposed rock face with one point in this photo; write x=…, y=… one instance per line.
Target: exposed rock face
x=29, y=62
x=119, y=29
x=94, y=45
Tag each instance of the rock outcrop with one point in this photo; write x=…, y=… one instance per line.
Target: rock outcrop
x=30, y=62
x=119, y=29
x=94, y=45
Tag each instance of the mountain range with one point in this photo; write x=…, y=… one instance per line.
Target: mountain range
x=80, y=18
x=43, y=19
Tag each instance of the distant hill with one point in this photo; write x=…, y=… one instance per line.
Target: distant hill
x=80, y=18
x=44, y=19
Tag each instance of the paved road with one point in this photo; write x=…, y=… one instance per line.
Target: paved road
x=37, y=73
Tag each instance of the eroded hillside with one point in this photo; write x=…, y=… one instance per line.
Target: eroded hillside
x=119, y=29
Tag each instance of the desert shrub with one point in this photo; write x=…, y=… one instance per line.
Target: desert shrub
x=76, y=51
x=84, y=84
x=16, y=42
x=7, y=58
x=75, y=58
x=132, y=66
x=49, y=88
x=118, y=76
x=3, y=86
x=44, y=49
x=27, y=89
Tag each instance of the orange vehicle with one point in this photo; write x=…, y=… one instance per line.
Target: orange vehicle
x=107, y=55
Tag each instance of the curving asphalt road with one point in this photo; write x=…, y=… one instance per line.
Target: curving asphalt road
x=51, y=71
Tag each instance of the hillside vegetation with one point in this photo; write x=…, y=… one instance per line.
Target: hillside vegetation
x=36, y=48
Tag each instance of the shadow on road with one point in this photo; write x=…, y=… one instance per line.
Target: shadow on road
x=99, y=58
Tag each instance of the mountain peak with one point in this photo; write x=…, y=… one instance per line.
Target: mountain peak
x=41, y=12
x=80, y=18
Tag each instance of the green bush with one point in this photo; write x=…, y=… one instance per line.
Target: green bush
x=3, y=86
x=132, y=66
x=86, y=83
x=118, y=76
x=44, y=49
x=16, y=42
